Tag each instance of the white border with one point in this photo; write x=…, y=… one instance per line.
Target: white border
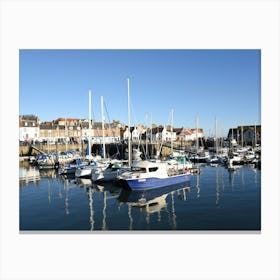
x=146, y=24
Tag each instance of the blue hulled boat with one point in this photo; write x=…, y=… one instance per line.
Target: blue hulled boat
x=151, y=175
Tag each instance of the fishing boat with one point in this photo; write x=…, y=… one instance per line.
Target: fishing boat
x=152, y=174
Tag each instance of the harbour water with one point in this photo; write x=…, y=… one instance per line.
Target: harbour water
x=217, y=199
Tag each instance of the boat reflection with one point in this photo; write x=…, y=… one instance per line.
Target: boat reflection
x=111, y=188
x=154, y=201
x=48, y=173
x=151, y=198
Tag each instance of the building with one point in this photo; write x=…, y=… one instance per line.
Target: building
x=163, y=134
x=191, y=134
x=76, y=130
x=180, y=135
x=245, y=135
x=60, y=130
x=28, y=128
x=133, y=134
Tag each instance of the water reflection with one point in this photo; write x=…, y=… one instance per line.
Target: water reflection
x=91, y=216
x=197, y=186
x=47, y=173
x=108, y=206
x=154, y=201
x=146, y=197
x=28, y=175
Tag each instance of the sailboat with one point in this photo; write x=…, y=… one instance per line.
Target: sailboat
x=111, y=168
x=85, y=171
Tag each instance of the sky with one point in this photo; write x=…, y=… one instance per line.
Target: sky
x=202, y=85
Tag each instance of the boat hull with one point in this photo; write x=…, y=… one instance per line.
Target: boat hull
x=153, y=182
x=83, y=172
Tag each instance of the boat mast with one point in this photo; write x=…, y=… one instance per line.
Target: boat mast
x=172, y=112
x=255, y=135
x=216, y=135
x=151, y=133
x=128, y=113
x=242, y=136
x=66, y=136
x=89, y=123
x=103, y=131
x=146, y=135
x=196, y=134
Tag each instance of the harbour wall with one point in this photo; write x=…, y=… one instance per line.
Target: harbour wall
x=111, y=149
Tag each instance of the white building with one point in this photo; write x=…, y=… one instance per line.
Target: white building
x=28, y=128
x=192, y=134
x=162, y=134
x=126, y=134
x=135, y=134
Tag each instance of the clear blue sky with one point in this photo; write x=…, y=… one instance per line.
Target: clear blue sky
x=197, y=83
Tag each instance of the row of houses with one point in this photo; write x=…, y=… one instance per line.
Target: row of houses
x=31, y=129
x=71, y=129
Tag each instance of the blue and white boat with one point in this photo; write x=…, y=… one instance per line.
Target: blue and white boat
x=153, y=174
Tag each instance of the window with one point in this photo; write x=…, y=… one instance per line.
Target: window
x=139, y=169
x=153, y=169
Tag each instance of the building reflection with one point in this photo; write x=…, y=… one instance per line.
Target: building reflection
x=28, y=175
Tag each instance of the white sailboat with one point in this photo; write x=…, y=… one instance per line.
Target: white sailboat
x=114, y=167
x=93, y=162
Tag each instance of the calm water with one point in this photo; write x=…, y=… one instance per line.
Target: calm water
x=214, y=200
